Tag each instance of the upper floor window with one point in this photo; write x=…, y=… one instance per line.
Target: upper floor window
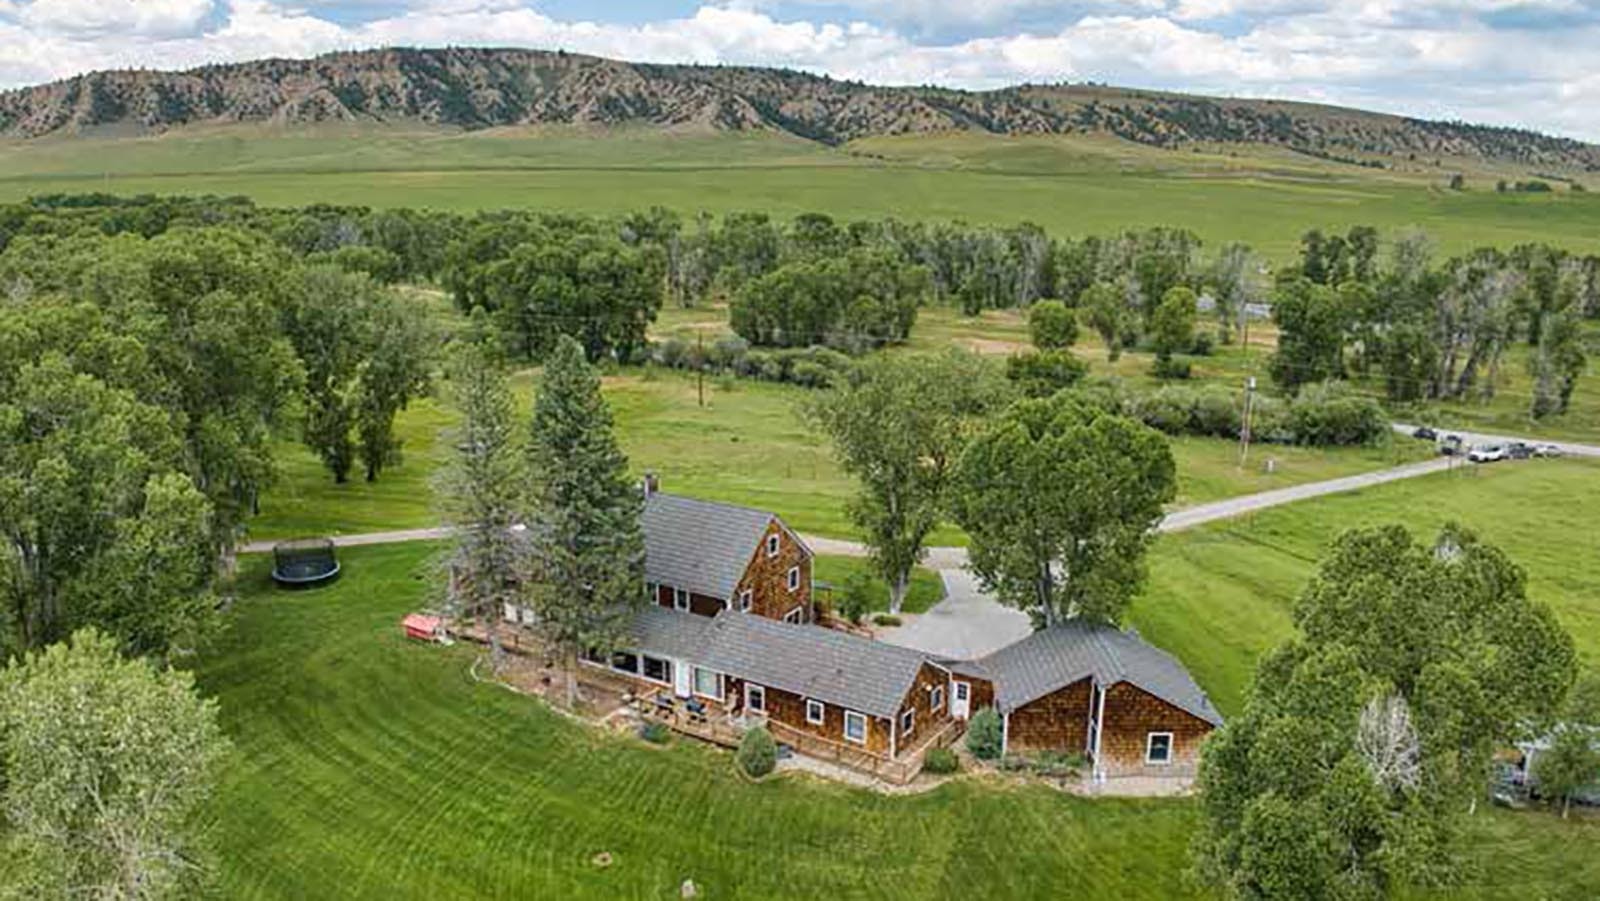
x=772, y=545
x=746, y=600
x=936, y=698
x=794, y=578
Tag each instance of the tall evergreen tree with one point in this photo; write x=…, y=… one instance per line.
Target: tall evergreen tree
x=485, y=485
x=588, y=550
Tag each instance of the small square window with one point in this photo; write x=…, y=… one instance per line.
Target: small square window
x=746, y=600
x=794, y=578
x=772, y=545
x=815, y=711
x=680, y=599
x=855, y=727
x=1158, y=748
x=755, y=698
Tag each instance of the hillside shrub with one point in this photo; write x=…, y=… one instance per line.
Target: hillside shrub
x=984, y=734
x=655, y=733
x=1052, y=325
x=1170, y=368
x=1330, y=414
x=758, y=753
x=941, y=762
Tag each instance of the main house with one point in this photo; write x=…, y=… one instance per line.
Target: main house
x=732, y=635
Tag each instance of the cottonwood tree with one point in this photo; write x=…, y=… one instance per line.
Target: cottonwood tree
x=1052, y=325
x=1172, y=323
x=898, y=425
x=1368, y=736
x=1059, y=498
x=107, y=765
x=484, y=487
x=1311, y=323
x=1572, y=761
x=1237, y=283
x=1107, y=314
x=583, y=529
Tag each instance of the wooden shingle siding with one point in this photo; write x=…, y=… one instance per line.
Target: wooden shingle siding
x=790, y=710
x=982, y=694
x=925, y=719
x=767, y=577
x=1059, y=721
x=1131, y=715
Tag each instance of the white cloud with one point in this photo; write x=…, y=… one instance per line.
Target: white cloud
x=149, y=18
x=1382, y=53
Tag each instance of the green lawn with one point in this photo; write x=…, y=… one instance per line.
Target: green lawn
x=367, y=766
x=926, y=589
x=1220, y=595
x=1066, y=185
x=747, y=445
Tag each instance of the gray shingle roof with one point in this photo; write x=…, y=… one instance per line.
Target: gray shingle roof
x=842, y=669
x=669, y=633
x=1054, y=658
x=835, y=667
x=699, y=546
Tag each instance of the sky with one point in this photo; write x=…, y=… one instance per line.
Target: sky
x=1525, y=63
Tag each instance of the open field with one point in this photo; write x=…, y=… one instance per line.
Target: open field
x=1221, y=595
x=370, y=767
x=1068, y=185
x=747, y=445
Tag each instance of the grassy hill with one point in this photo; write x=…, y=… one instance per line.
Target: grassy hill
x=1071, y=185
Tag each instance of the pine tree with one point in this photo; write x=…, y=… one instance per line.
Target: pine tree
x=588, y=551
x=485, y=485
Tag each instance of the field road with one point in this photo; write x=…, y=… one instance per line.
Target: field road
x=1477, y=438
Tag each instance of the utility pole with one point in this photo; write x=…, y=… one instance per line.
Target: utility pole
x=700, y=367
x=1249, y=406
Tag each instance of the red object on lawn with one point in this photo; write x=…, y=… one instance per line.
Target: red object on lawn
x=421, y=626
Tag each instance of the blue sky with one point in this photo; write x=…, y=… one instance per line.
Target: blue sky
x=1530, y=63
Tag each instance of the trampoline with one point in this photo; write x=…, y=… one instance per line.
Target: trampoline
x=304, y=562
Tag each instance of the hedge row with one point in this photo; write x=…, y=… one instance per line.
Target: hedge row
x=1322, y=415
x=808, y=367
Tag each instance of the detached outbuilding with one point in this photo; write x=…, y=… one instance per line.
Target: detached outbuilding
x=1091, y=689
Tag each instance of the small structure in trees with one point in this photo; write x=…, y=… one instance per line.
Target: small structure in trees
x=422, y=627
x=304, y=562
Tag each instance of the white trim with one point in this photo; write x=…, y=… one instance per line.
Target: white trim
x=1149, y=745
x=936, y=698
x=822, y=712
x=1005, y=731
x=910, y=713
x=795, y=616
x=862, y=717
x=751, y=690
x=667, y=661
x=1099, y=735
x=772, y=545
x=794, y=578
x=747, y=600
x=960, y=694
x=680, y=599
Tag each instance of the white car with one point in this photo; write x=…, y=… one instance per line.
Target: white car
x=1547, y=450
x=1487, y=453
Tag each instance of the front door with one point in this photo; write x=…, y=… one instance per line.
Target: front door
x=960, y=698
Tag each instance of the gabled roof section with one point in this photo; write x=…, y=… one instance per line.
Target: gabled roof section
x=700, y=546
x=669, y=633
x=1059, y=656
x=836, y=667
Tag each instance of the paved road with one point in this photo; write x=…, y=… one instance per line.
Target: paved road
x=1477, y=438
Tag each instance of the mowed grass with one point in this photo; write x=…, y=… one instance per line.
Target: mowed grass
x=748, y=444
x=1058, y=184
x=1221, y=595
x=832, y=571
x=367, y=766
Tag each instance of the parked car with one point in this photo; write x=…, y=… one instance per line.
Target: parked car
x=1547, y=450
x=1423, y=433
x=1488, y=453
x=1451, y=445
x=1517, y=450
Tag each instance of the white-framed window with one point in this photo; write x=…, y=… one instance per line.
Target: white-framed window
x=794, y=578
x=656, y=670
x=1158, y=748
x=680, y=599
x=795, y=616
x=772, y=545
x=707, y=683
x=653, y=590
x=908, y=721
x=747, y=599
x=625, y=662
x=936, y=698
x=755, y=698
x=963, y=691
x=816, y=712
x=855, y=727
